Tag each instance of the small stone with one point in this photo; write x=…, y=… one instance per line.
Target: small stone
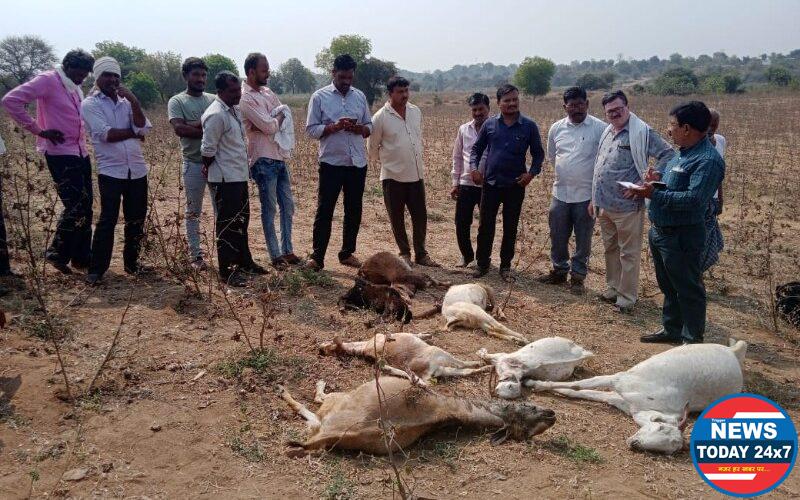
x=200, y=374
x=155, y=427
x=173, y=367
x=75, y=474
x=106, y=467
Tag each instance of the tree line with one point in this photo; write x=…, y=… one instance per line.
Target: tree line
x=155, y=77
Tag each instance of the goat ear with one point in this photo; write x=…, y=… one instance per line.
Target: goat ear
x=499, y=437
x=684, y=418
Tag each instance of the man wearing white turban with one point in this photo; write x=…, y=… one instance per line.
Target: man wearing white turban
x=117, y=126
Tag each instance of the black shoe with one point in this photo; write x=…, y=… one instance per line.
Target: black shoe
x=553, y=278
x=480, y=272
x=93, y=279
x=60, y=266
x=80, y=266
x=660, y=337
x=138, y=269
x=505, y=275
x=236, y=279
x=692, y=341
x=253, y=268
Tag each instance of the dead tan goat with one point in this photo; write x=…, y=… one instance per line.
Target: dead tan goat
x=351, y=420
x=407, y=352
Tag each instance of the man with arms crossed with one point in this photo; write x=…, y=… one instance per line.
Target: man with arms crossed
x=339, y=117
x=184, y=111
x=571, y=148
x=465, y=192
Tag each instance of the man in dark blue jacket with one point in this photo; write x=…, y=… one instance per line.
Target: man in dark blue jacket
x=508, y=137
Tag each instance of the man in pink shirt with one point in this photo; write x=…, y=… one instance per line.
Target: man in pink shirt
x=60, y=136
x=266, y=158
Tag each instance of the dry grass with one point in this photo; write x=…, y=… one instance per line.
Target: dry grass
x=179, y=368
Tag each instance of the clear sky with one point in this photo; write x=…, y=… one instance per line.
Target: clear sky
x=418, y=35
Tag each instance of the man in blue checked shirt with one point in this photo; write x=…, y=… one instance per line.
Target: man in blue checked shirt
x=508, y=137
x=677, y=215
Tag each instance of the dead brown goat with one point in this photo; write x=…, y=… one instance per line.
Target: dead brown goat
x=386, y=268
x=407, y=352
x=352, y=420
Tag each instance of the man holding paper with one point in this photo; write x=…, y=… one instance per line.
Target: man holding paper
x=625, y=147
x=677, y=214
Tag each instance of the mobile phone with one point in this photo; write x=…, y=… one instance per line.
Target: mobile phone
x=659, y=184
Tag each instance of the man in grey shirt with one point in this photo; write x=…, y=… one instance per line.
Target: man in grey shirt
x=225, y=164
x=625, y=147
x=184, y=111
x=338, y=115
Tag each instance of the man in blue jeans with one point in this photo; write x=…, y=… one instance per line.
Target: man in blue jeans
x=184, y=111
x=677, y=223
x=267, y=160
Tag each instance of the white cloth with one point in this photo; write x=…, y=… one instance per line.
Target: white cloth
x=285, y=135
x=398, y=143
x=720, y=144
x=462, y=150
x=69, y=84
x=106, y=64
x=572, y=150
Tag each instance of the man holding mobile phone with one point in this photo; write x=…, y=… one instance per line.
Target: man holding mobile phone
x=332, y=113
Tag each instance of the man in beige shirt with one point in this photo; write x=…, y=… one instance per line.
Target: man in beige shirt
x=397, y=140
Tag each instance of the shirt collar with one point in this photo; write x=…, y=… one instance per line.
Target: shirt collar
x=701, y=144
x=393, y=111
x=222, y=103
x=68, y=84
x=336, y=91
x=500, y=118
x=248, y=88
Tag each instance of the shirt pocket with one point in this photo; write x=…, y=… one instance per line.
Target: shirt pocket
x=519, y=143
x=679, y=180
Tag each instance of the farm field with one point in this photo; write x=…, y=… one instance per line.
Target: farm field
x=183, y=408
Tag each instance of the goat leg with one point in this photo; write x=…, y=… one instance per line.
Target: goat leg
x=396, y=372
x=311, y=418
x=319, y=394
x=611, y=398
x=448, y=371
x=599, y=382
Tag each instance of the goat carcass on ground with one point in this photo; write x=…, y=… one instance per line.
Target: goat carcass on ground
x=352, y=420
x=550, y=358
x=660, y=391
x=466, y=306
x=406, y=352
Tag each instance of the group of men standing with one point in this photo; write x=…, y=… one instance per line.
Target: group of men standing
x=244, y=132
x=602, y=173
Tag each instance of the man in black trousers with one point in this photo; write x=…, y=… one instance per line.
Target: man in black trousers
x=225, y=164
x=507, y=138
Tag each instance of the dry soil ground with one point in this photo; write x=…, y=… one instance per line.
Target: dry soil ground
x=183, y=411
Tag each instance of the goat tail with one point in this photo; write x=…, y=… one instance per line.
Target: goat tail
x=739, y=348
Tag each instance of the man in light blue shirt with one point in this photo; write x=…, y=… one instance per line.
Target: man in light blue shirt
x=117, y=125
x=338, y=115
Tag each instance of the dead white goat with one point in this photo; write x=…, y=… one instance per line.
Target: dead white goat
x=466, y=306
x=660, y=391
x=352, y=420
x=550, y=358
x=404, y=353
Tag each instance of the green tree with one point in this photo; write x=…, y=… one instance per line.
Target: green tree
x=778, y=75
x=128, y=58
x=591, y=81
x=143, y=87
x=217, y=63
x=21, y=57
x=728, y=83
x=276, y=82
x=357, y=46
x=165, y=68
x=676, y=81
x=371, y=73
x=534, y=74
x=297, y=79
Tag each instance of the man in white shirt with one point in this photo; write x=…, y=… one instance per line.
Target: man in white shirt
x=466, y=193
x=116, y=125
x=714, y=239
x=572, y=148
x=224, y=156
x=397, y=140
